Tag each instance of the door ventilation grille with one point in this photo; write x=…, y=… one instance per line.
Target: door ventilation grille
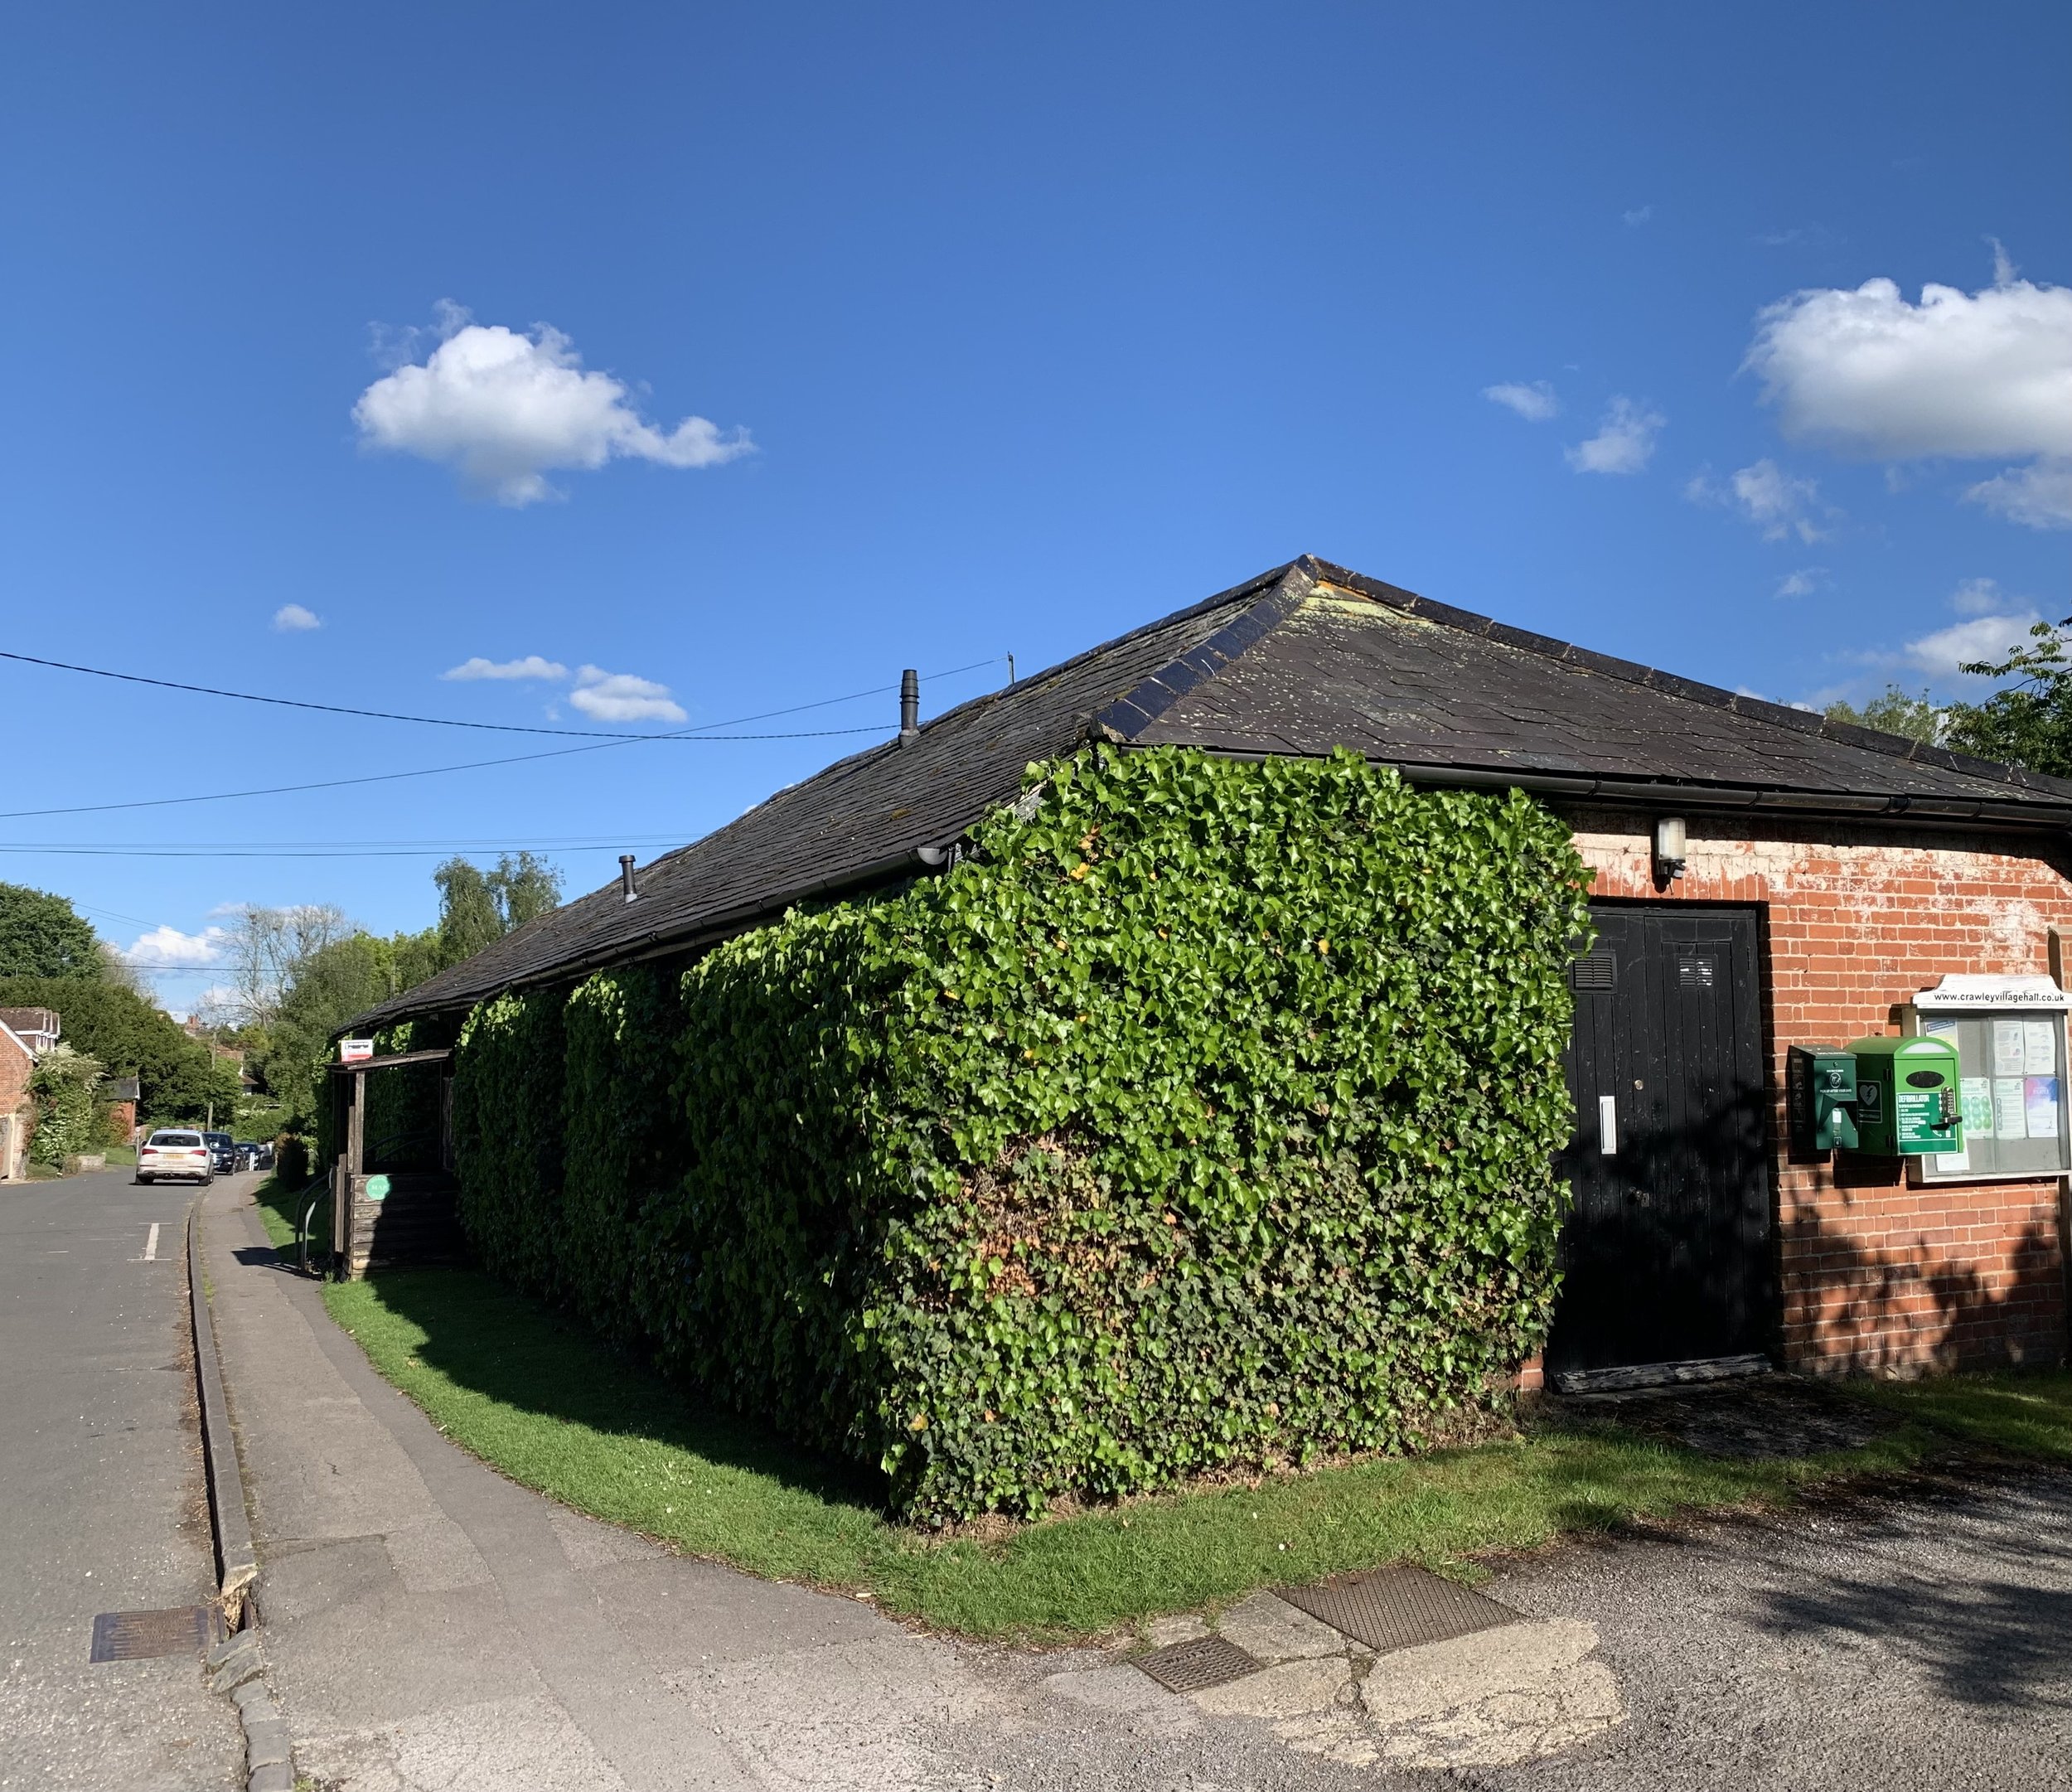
x=1694, y=971
x=1597, y=969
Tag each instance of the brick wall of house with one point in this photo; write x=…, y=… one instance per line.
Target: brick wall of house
x=1876, y=1275
x=16, y=1069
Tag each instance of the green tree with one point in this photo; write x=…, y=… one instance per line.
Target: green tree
x=525, y=887
x=477, y=908
x=176, y=1075
x=1892, y=711
x=469, y=919
x=43, y=935
x=2030, y=724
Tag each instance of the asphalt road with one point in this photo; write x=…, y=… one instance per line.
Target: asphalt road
x=101, y=1487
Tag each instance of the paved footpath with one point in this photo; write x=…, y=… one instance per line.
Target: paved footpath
x=431, y=1626
x=101, y=1488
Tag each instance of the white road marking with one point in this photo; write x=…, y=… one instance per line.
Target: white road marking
x=151, y=1244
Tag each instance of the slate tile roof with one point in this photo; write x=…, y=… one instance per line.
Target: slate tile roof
x=1302, y=659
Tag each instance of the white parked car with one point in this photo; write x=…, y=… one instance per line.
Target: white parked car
x=171, y=1152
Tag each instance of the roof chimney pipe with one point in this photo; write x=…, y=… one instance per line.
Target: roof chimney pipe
x=626, y=877
x=909, y=704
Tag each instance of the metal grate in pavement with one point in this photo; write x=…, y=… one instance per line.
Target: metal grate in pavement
x=1399, y=1608
x=1196, y=1665
x=140, y=1635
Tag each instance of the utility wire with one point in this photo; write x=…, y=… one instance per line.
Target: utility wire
x=444, y=721
x=477, y=765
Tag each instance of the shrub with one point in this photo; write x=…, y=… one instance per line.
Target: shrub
x=1204, y=1116
x=68, y=1118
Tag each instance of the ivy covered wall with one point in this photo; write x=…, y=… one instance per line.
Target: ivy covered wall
x=1204, y=1116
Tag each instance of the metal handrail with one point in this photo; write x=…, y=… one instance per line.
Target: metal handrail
x=309, y=1213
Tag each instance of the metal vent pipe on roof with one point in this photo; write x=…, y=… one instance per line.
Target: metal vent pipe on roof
x=626, y=877
x=909, y=704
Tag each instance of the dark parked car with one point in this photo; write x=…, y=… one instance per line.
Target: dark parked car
x=247, y=1152
x=222, y=1152
x=265, y=1158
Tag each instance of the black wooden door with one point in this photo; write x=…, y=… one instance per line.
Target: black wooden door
x=1666, y=1256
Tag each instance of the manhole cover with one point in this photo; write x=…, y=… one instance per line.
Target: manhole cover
x=1398, y=1608
x=1196, y=1665
x=140, y=1635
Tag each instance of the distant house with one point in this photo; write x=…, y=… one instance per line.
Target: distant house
x=25, y=1035
x=1764, y=879
x=37, y=1028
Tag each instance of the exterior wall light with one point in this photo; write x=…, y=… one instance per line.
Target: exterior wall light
x=1672, y=847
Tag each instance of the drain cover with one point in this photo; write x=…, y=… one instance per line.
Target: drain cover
x=1398, y=1608
x=139, y=1635
x=1196, y=1665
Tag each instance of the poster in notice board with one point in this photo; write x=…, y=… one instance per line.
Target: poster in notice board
x=2011, y=1072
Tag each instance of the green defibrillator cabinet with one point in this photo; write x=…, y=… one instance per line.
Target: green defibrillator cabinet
x=1907, y=1096
x=1821, y=1087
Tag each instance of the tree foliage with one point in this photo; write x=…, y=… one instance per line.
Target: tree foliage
x=68, y=1119
x=43, y=935
x=477, y=908
x=1893, y=711
x=1204, y=1117
x=178, y=1077
x=2029, y=723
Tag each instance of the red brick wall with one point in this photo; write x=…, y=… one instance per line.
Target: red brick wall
x=16, y=1069
x=1876, y=1275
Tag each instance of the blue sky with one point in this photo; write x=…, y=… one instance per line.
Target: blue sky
x=730, y=359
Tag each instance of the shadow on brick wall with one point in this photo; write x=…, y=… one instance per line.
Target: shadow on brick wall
x=1908, y=1308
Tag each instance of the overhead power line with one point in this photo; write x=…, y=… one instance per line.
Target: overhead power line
x=326, y=849
x=447, y=721
x=519, y=758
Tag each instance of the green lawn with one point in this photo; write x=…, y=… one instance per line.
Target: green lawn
x=280, y=1209
x=546, y=1403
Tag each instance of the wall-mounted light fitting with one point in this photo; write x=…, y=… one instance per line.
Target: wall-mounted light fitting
x=1671, y=847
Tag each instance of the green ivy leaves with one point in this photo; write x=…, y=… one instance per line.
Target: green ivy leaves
x=1202, y=1118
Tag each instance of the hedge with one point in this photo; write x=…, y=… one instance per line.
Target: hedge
x=1203, y=1117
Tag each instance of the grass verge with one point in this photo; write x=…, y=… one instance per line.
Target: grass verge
x=280, y=1211
x=546, y=1403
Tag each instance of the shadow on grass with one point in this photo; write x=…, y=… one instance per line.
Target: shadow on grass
x=511, y=1349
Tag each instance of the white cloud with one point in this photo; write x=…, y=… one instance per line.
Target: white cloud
x=1984, y=637
x=621, y=697
x=1977, y=597
x=505, y=408
x=167, y=948
x=1624, y=442
x=2039, y=495
x=292, y=618
x=1803, y=583
x=1984, y=376
x=1779, y=504
x=531, y=667
x=1535, y=403
x=1638, y=215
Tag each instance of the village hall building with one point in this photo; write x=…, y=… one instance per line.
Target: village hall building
x=1764, y=879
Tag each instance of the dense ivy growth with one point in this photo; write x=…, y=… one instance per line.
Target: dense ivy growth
x=1204, y=1115
x=622, y=1144
x=507, y=1136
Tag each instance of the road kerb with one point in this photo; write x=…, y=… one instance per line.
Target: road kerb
x=267, y=1753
